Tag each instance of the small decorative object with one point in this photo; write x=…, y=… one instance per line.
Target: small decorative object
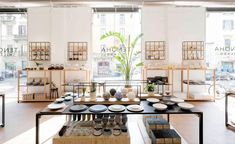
x=118, y=95
x=93, y=91
x=106, y=95
x=124, y=91
x=131, y=95
x=150, y=89
x=112, y=92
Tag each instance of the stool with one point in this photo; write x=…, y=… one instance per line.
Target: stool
x=54, y=93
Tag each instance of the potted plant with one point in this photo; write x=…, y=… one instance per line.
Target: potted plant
x=125, y=54
x=93, y=91
x=150, y=89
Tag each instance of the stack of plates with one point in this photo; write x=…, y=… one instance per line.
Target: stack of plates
x=185, y=106
x=153, y=100
x=98, y=108
x=59, y=100
x=78, y=108
x=159, y=106
x=68, y=98
x=177, y=100
x=54, y=106
x=135, y=108
x=116, y=108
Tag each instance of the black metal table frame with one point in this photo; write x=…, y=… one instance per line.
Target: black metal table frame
x=198, y=113
x=3, y=110
x=226, y=109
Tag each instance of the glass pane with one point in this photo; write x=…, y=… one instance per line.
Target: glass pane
x=105, y=67
x=13, y=50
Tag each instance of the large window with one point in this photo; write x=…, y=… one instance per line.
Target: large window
x=220, y=46
x=13, y=50
x=104, y=66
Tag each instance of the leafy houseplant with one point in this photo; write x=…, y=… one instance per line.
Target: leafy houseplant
x=150, y=89
x=125, y=54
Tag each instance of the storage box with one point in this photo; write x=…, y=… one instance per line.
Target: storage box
x=156, y=124
x=166, y=136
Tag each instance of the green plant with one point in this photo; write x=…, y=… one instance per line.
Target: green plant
x=125, y=54
x=38, y=64
x=150, y=87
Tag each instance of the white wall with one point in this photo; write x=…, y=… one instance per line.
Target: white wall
x=59, y=26
x=173, y=25
x=162, y=23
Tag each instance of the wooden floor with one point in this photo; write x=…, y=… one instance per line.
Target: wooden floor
x=20, y=123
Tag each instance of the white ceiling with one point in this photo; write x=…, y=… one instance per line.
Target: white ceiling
x=71, y=3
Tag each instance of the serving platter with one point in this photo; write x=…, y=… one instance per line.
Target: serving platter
x=159, y=106
x=97, y=108
x=135, y=108
x=78, y=108
x=116, y=108
x=55, y=106
x=185, y=106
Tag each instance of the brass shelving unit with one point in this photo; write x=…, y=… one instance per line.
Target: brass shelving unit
x=77, y=51
x=39, y=51
x=155, y=50
x=193, y=50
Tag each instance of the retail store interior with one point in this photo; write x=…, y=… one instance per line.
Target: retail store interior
x=117, y=71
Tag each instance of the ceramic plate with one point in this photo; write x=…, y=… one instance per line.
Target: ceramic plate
x=68, y=98
x=59, y=100
x=153, y=100
x=177, y=100
x=78, y=108
x=54, y=106
x=159, y=106
x=98, y=108
x=135, y=108
x=185, y=106
x=116, y=108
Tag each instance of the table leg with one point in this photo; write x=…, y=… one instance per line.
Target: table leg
x=168, y=117
x=3, y=110
x=201, y=128
x=37, y=128
x=226, y=110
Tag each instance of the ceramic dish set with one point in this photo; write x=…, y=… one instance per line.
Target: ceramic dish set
x=105, y=125
x=164, y=104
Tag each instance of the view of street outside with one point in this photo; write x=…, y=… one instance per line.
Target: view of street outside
x=13, y=50
x=220, y=47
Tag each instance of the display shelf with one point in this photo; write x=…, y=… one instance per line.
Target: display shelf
x=147, y=109
x=77, y=51
x=29, y=92
x=39, y=51
x=155, y=50
x=196, y=82
x=193, y=50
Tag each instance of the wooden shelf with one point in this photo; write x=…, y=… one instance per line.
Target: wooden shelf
x=155, y=50
x=193, y=50
x=77, y=51
x=39, y=51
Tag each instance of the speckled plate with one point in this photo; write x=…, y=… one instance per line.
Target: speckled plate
x=98, y=108
x=78, y=108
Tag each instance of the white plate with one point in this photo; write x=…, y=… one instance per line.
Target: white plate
x=152, y=100
x=116, y=108
x=68, y=98
x=159, y=106
x=59, y=99
x=177, y=100
x=54, y=106
x=185, y=106
x=135, y=108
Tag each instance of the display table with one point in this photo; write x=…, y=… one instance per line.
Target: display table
x=227, y=123
x=3, y=109
x=148, y=109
